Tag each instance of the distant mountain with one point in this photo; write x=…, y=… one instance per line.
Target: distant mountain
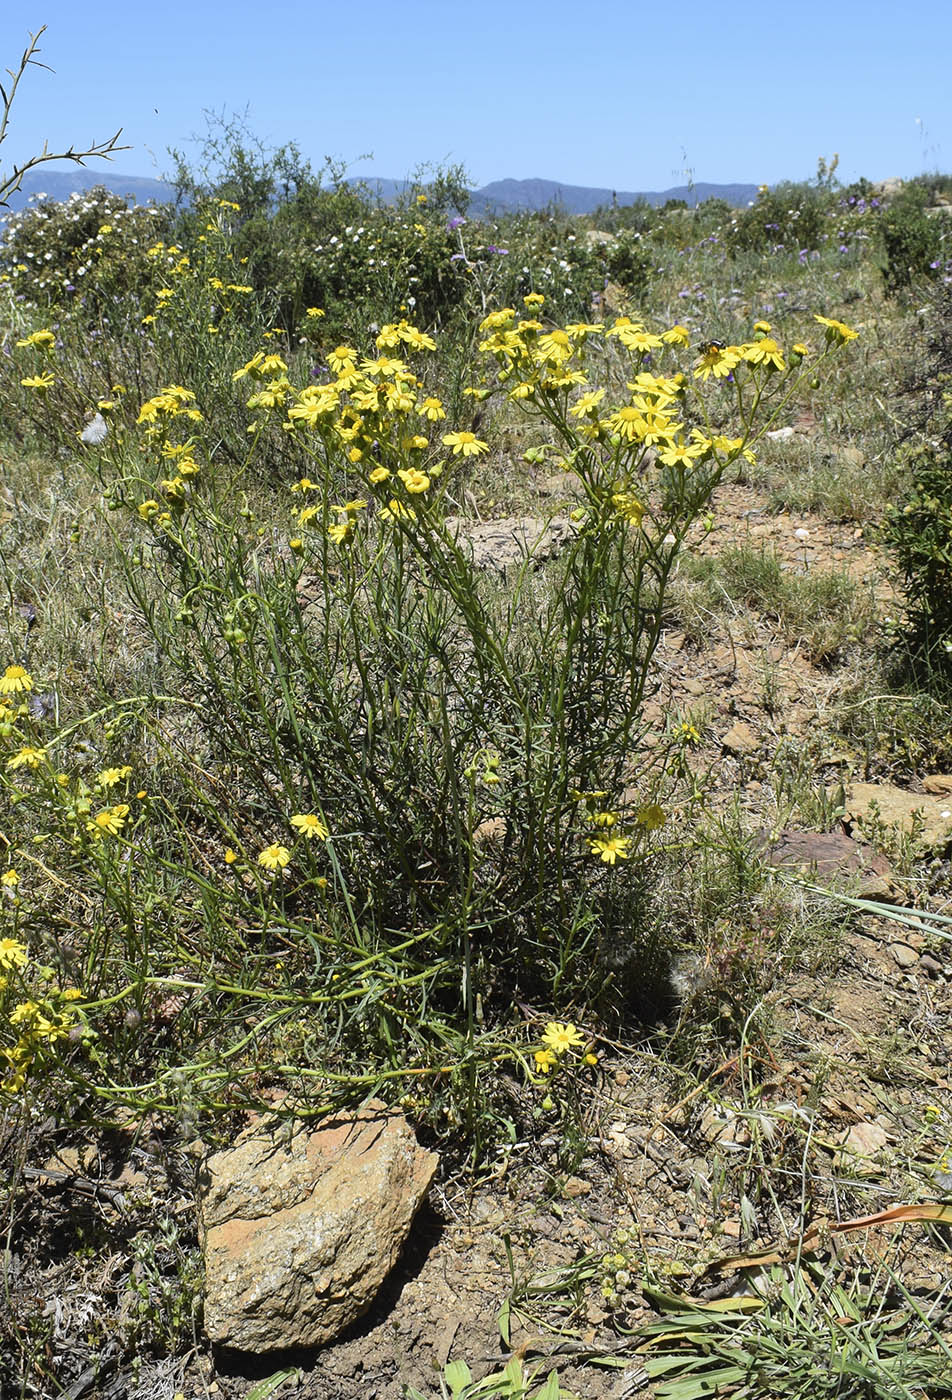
x=498, y=197
x=506, y=196
x=60, y=184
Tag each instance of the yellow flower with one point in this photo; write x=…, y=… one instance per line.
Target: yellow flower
x=230, y=856
x=28, y=757
x=628, y=507
x=14, y=680
x=561, y=1036
x=465, y=444
x=414, y=338
x=432, y=408
x=836, y=332
x=378, y=475
x=677, y=335
x=587, y=403
x=545, y=1060
x=12, y=954
x=415, y=481
x=717, y=360
x=9, y=879
x=108, y=822
x=342, y=359
x=765, y=351
x=38, y=338
x=313, y=312
x=652, y=817
x=534, y=299
x=310, y=826
x=274, y=857
x=110, y=776
x=629, y=422
x=610, y=848
x=341, y=533
x=38, y=381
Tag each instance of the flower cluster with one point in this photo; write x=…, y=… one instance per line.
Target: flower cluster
x=561, y=1041
x=39, y=1013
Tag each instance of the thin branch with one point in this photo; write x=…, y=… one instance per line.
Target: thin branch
x=101, y=150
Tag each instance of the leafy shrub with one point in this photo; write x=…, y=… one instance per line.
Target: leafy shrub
x=87, y=252
x=914, y=243
x=792, y=216
x=918, y=532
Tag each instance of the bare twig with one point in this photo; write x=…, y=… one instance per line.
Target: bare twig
x=10, y=184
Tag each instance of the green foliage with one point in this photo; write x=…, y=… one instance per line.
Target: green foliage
x=918, y=533
x=915, y=244
x=88, y=253
x=792, y=216
x=802, y=1334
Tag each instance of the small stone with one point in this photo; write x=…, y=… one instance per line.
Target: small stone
x=902, y=955
x=574, y=1186
x=740, y=740
x=931, y=966
x=865, y=1139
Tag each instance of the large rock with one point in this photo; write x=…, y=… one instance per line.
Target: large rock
x=923, y=815
x=498, y=544
x=301, y=1226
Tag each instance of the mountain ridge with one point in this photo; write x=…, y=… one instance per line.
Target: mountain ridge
x=503, y=196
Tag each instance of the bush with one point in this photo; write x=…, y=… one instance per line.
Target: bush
x=791, y=216
x=88, y=252
x=914, y=244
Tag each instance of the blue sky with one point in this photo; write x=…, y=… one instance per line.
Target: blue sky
x=616, y=93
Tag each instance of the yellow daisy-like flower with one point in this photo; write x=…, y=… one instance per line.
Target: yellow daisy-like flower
x=677, y=335
x=610, y=848
x=717, y=360
x=110, y=821
x=415, y=481
x=12, y=954
x=38, y=381
x=414, y=338
x=534, y=299
x=765, y=351
x=561, y=1036
x=378, y=476
x=28, y=757
x=342, y=359
x=110, y=776
x=629, y=423
x=14, y=680
x=310, y=826
x=465, y=444
x=432, y=408
x=587, y=403
x=652, y=817
x=836, y=332
x=9, y=879
x=274, y=857
x=341, y=533
x=545, y=1060
x=628, y=507
x=41, y=338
